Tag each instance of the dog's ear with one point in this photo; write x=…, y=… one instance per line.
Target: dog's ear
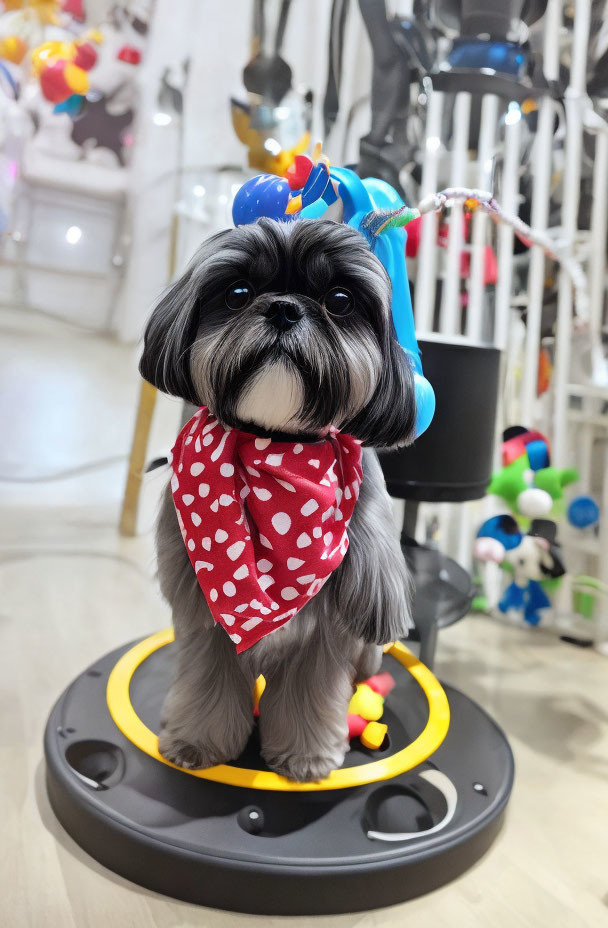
x=389, y=418
x=165, y=360
x=173, y=325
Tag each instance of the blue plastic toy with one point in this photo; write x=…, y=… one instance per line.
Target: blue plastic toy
x=263, y=195
x=474, y=54
x=7, y=82
x=71, y=105
x=363, y=200
x=529, y=599
x=583, y=512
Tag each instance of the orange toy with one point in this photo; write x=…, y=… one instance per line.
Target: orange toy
x=545, y=369
x=13, y=49
x=45, y=10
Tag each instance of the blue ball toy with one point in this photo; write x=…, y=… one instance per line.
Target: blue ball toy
x=264, y=195
x=583, y=512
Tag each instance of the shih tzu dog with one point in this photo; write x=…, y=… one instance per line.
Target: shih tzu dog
x=282, y=333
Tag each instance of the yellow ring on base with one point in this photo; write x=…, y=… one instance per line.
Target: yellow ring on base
x=132, y=727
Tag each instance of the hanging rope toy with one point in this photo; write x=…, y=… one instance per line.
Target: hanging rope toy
x=381, y=221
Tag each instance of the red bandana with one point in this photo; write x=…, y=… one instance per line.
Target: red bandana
x=264, y=522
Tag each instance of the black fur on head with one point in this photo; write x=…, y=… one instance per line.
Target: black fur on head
x=285, y=358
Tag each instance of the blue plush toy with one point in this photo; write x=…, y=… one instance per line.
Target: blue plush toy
x=370, y=206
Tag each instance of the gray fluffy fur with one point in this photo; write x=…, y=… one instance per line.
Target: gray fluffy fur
x=312, y=662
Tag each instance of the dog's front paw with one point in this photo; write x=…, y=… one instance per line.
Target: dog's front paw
x=369, y=662
x=183, y=754
x=304, y=768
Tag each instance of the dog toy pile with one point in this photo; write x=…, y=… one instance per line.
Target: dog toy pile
x=366, y=709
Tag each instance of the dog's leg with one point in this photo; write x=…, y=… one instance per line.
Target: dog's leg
x=303, y=711
x=208, y=712
x=368, y=662
x=371, y=588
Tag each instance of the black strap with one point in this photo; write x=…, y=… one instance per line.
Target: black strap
x=331, y=103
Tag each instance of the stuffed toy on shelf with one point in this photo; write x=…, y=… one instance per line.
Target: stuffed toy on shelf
x=524, y=541
x=533, y=558
x=527, y=482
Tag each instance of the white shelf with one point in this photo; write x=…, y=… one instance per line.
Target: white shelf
x=588, y=390
x=583, y=418
x=588, y=544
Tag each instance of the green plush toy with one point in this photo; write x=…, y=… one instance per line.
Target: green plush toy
x=528, y=483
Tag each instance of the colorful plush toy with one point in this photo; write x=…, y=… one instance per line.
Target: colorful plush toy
x=366, y=709
x=533, y=558
x=306, y=181
x=527, y=482
x=62, y=68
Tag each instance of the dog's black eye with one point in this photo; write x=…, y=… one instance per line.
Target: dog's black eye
x=239, y=295
x=339, y=302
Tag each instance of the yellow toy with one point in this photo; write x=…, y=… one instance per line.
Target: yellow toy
x=45, y=10
x=263, y=155
x=367, y=707
x=12, y=48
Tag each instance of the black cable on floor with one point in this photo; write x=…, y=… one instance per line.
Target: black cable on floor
x=66, y=474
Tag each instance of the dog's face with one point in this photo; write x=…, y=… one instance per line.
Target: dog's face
x=285, y=328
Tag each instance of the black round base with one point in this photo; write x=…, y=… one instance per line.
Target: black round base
x=266, y=852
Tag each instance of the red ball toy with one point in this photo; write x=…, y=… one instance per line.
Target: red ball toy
x=130, y=54
x=297, y=173
x=85, y=57
x=53, y=83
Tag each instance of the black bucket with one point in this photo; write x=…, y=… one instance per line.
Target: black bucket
x=452, y=461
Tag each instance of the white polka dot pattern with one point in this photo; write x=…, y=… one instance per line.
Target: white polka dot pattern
x=269, y=523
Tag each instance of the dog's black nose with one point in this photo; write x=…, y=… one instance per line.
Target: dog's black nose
x=283, y=314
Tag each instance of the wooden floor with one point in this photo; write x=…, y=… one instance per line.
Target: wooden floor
x=71, y=589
